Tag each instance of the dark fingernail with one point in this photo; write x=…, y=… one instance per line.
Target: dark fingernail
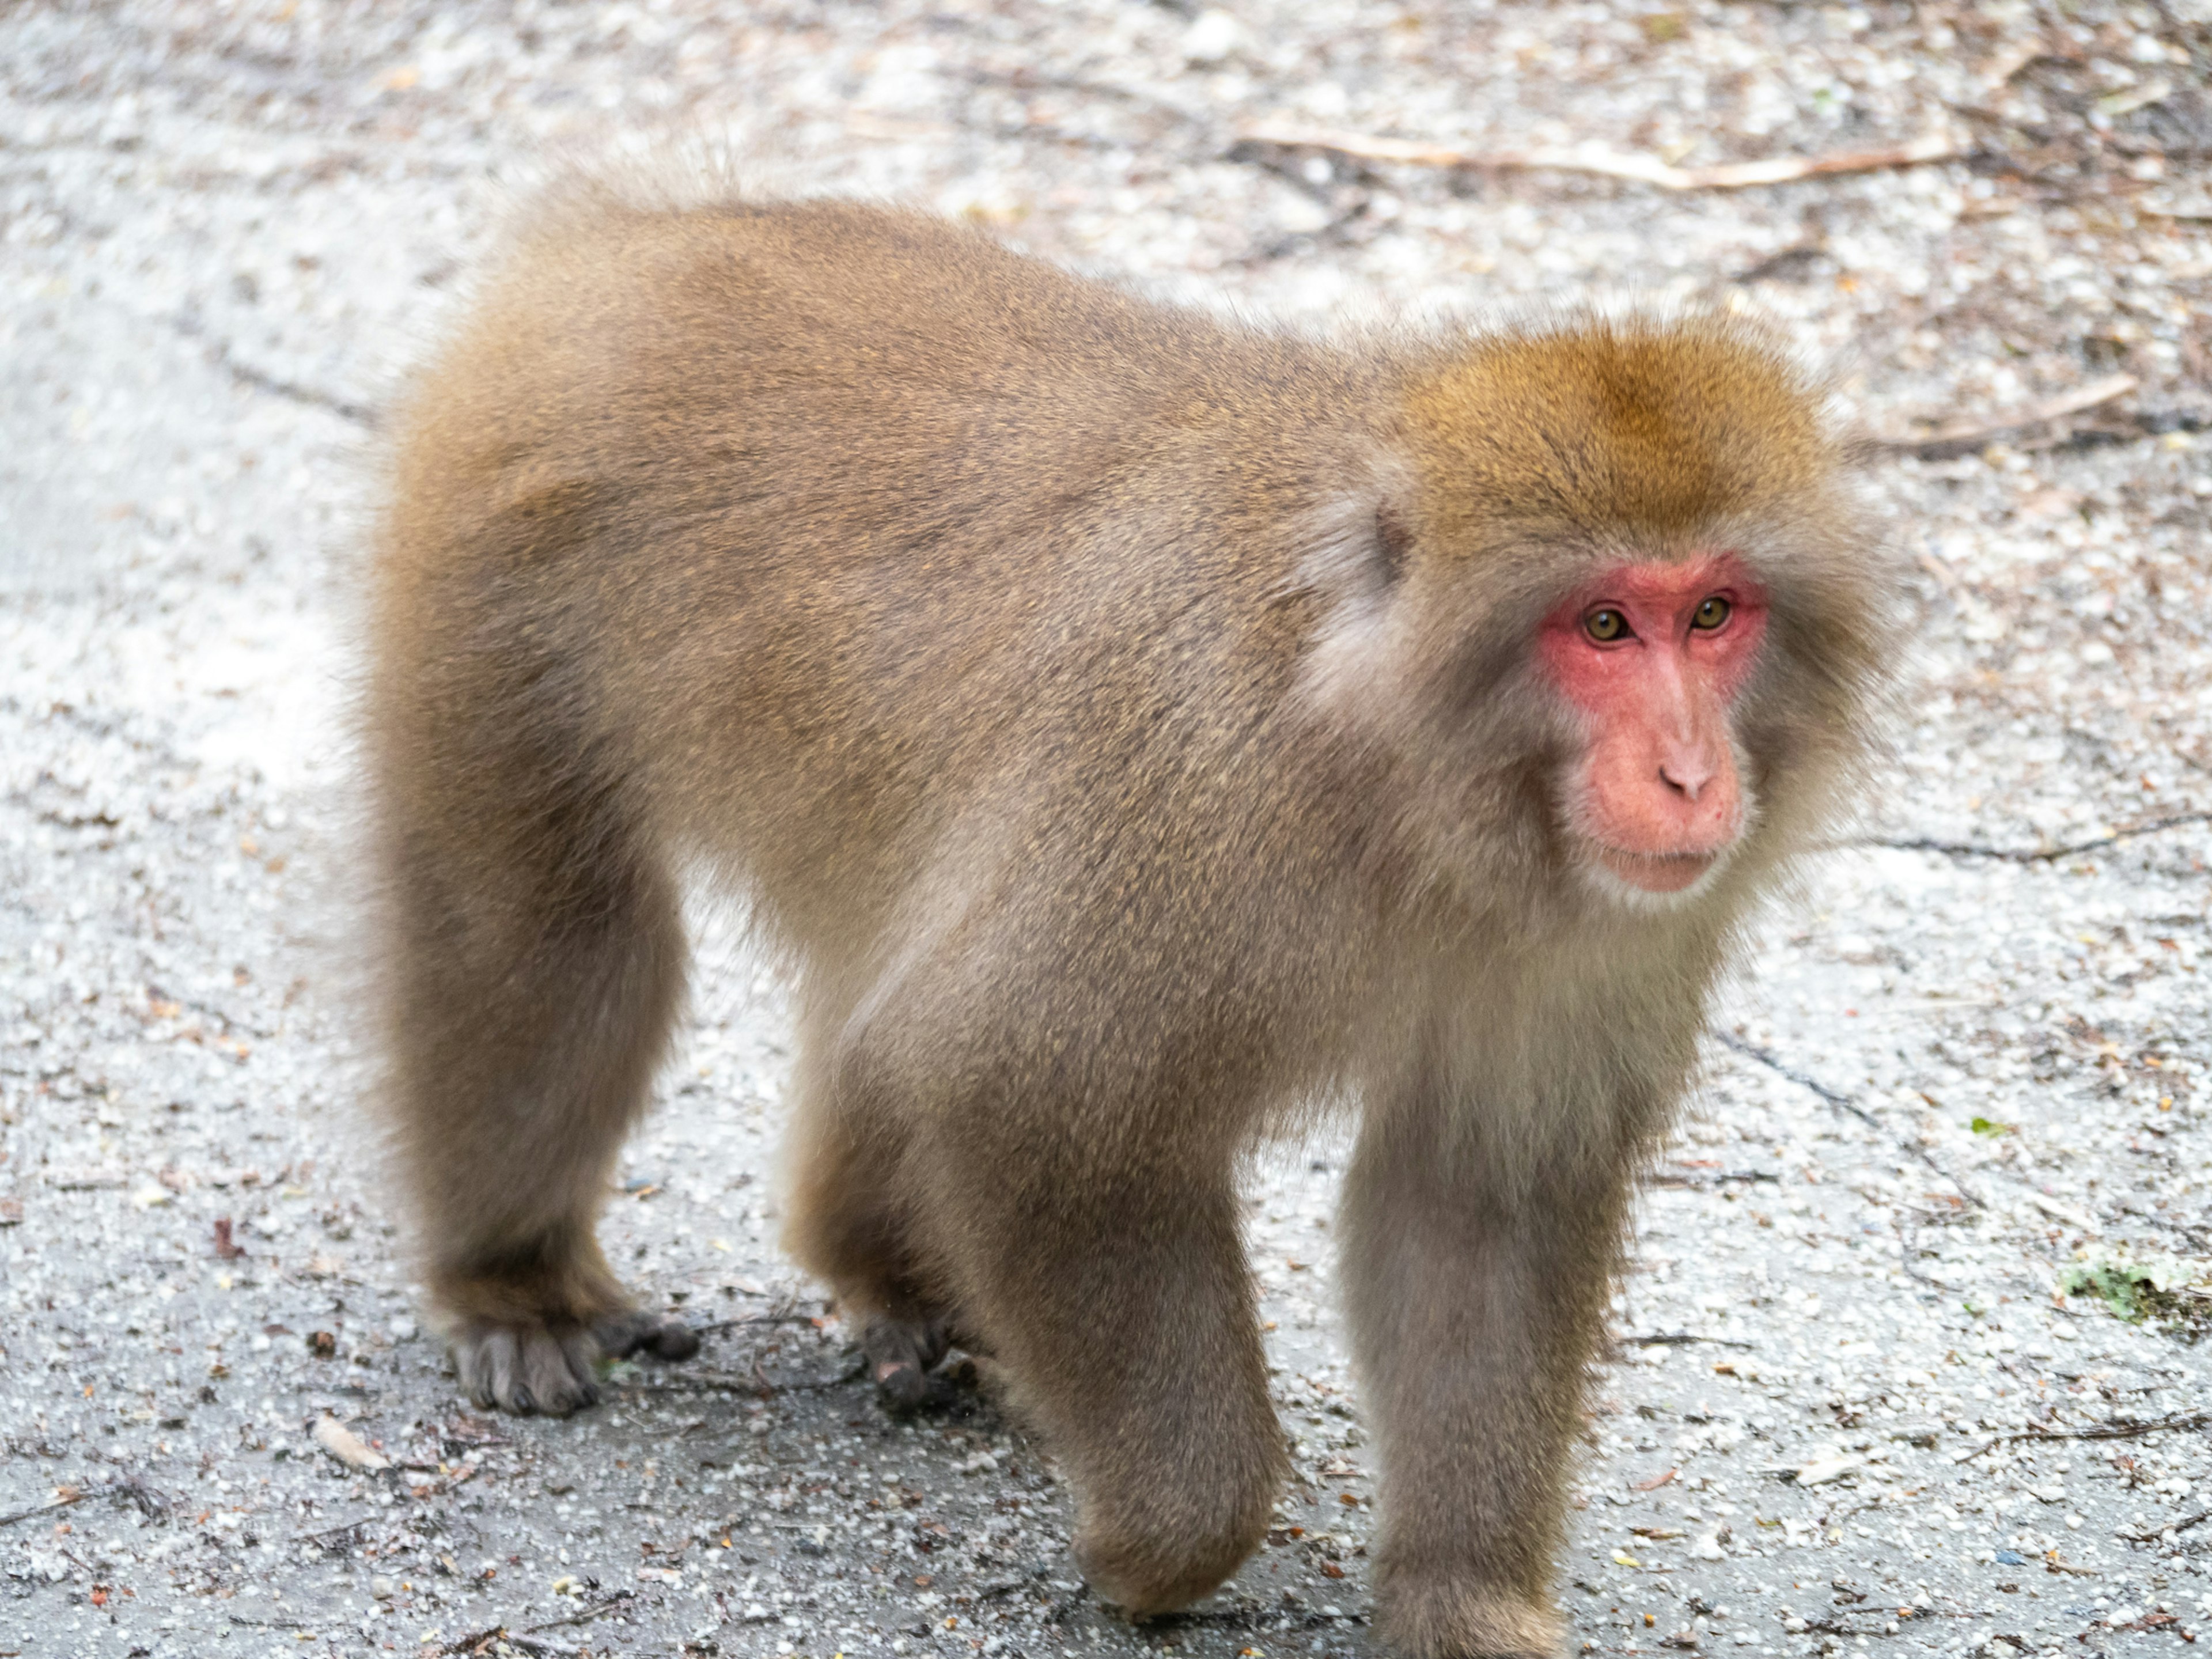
x=524, y=1401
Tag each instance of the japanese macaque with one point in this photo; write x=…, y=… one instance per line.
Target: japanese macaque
x=1137, y=733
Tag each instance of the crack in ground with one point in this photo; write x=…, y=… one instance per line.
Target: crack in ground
x=1958, y=849
x=1843, y=1103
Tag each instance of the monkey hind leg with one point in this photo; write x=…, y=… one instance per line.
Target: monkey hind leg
x=849, y=1224
x=535, y=971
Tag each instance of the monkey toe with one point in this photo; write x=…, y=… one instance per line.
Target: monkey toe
x=631, y=1334
x=527, y=1371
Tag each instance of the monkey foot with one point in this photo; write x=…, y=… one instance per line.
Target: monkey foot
x=901, y=1354
x=539, y=1369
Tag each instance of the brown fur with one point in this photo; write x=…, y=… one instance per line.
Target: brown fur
x=1122, y=721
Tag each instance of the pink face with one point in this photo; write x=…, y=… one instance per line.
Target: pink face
x=1653, y=655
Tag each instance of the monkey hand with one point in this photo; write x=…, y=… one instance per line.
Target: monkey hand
x=540, y=1369
x=901, y=1354
x=1151, y=1538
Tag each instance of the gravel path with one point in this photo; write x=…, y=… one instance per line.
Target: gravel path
x=1909, y=1358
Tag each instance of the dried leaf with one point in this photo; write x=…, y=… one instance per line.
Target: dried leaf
x=342, y=1443
x=1823, y=1469
x=225, y=1250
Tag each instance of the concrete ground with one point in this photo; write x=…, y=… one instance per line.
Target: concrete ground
x=1909, y=1360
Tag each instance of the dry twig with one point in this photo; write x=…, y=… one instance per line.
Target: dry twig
x=2127, y=1428
x=1971, y=434
x=2157, y=1533
x=1675, y=1340
x=1607, y=163
x=471, y=1642
x=617, y=1601
x=69, y=1496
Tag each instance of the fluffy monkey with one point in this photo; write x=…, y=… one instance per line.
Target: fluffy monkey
x=1135, y=731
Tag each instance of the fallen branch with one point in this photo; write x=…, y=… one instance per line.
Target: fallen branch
x=1963, y=434
x=1703, y=1179
x=349, y=1447
x=1958, y=849
x=219, y=354
x=1837, y=1627
x=1607, y=163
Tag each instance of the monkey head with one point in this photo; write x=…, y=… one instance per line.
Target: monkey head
x=1608, y=620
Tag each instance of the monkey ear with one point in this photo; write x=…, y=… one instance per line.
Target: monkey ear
x=1358, y=552
x=1357, y=549
x=1393, y=542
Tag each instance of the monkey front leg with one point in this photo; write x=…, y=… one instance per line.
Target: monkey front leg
x=1476, y=1293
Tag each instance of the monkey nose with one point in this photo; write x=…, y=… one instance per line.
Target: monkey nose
x=1687, y=774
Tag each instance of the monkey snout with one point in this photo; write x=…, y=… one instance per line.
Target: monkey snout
x=1663, y=834
x=1699, y=818
x=1691, y=805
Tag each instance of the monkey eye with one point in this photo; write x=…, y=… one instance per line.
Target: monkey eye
x=1712, y=613
x=1605, y=624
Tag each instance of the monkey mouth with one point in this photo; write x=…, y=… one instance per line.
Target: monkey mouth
x=1656, y=873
